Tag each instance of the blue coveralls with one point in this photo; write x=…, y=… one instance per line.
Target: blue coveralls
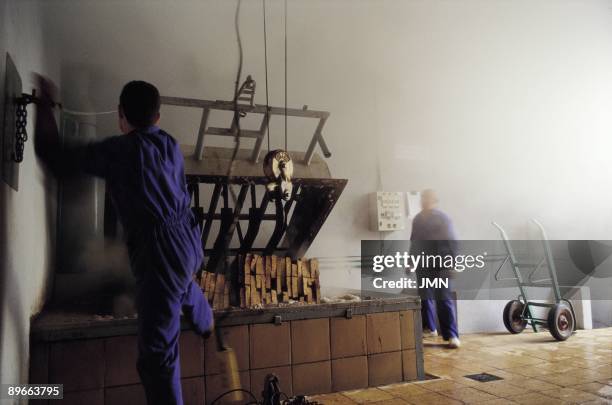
x=433, y=233
x=144, y=172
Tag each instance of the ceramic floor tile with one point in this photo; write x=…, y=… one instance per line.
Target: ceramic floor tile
x=537, y=399
x=567, y=379
x=607, y=381
x=502, y=389
x=587, y=378
x=469, y=395
x=602, y=390
x=545, y=368
x=571, y=395
x=405, y=390
x=332, y=399
x=368, y=395
x=433, y=398
x=474, y=368
x=532, y=384
x=498, y=401
x=468, y=382
x=601, y=401
x=543, y=371
x=442, y=385
x=393, y=401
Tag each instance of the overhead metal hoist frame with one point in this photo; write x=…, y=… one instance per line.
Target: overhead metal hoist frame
x=296, y=222
x=266, y=112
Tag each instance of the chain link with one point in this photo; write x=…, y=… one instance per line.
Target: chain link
x=21, y=134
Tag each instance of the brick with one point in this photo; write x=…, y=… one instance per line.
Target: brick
x=383, y=332
x=284, y=378
x=236, y=337
x=310, y=340
x=90, y=397
x=349, y=373
x=312, y=378
x=39, y=363
x=384, y=368
x=79, y=364
x=215, y=386
x=121, y=354
x=127, y=394
x=270, y=345
x=409, y=365
x=348, y=337
x=407, y=329
x=193, y=390
x=191, y=352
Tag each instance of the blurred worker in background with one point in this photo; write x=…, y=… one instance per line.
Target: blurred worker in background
x=144, y=174
x=433, y=234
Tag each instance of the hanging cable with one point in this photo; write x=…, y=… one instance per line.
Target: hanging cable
x=236, y=120
x=235, y=126
x=285, y=74
x=266, y=69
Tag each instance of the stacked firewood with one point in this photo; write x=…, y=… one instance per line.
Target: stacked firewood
x=265, y=280
x=216, y=290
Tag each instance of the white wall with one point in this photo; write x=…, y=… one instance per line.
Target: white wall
x=27, y=216
x=503, y=106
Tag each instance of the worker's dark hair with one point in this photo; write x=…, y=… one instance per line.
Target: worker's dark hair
x=140, y=103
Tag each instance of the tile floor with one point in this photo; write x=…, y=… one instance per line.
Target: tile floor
x=535, y=369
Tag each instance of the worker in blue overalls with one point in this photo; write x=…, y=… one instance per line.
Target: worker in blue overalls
x=433, y=234
x=144, y=173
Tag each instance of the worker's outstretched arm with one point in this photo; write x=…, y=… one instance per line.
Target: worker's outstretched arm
x=46, y=135
x=94, y=158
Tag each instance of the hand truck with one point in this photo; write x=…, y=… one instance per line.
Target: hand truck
x=561, y=319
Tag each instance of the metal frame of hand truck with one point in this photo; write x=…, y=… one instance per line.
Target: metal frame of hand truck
x=551, y=281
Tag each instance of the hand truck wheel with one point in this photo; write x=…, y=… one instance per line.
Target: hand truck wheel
x=513, y=317
x=561, y=322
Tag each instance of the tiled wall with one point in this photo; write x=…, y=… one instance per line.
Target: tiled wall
x=309, y=356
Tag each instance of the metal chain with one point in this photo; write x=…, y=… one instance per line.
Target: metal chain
x=21, y=134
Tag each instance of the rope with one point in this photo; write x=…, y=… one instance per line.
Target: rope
x=235, y=124
x=266, y=68
x=87, y=113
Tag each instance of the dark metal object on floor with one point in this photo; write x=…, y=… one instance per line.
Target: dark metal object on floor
x=300, y=400
x=272, y=394
x=483, y=377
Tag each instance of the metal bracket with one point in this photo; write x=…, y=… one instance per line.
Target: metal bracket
x=349, y=313
x=12, y=91
x=278, y=320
